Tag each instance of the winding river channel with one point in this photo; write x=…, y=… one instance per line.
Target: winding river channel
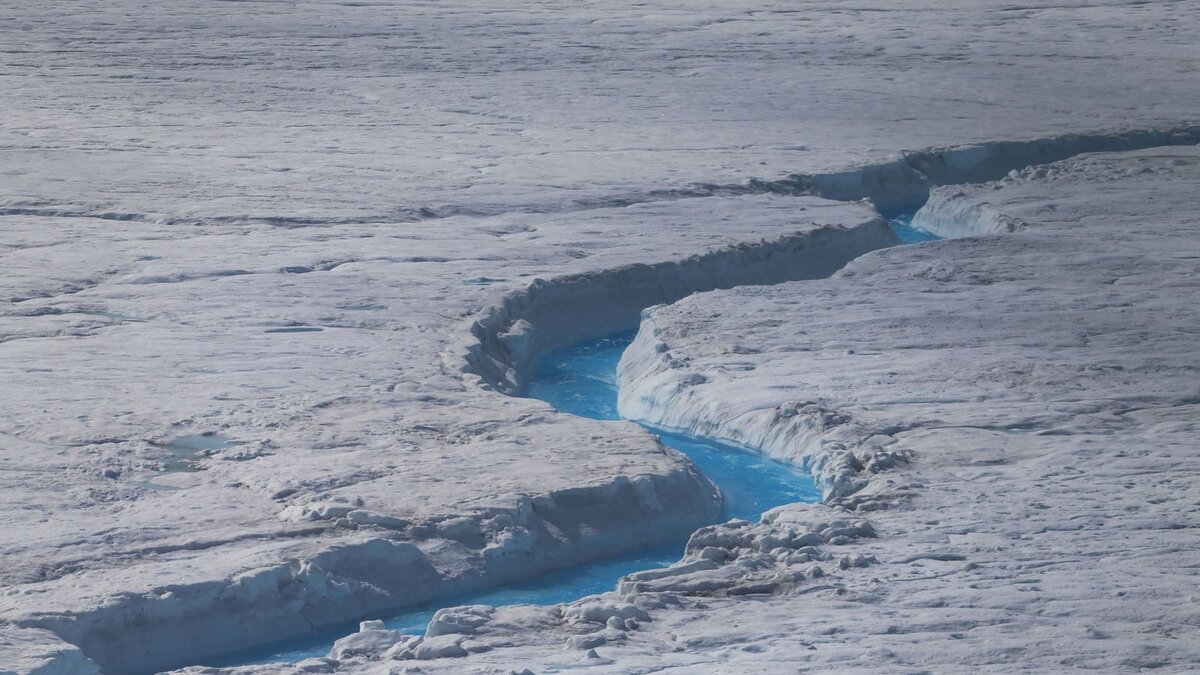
x=582, y=380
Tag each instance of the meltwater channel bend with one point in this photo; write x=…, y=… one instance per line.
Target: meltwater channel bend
x=582, y=380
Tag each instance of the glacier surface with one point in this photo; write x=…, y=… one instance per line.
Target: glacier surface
x=338, y=234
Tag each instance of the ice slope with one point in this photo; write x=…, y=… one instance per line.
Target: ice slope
x=188, y=185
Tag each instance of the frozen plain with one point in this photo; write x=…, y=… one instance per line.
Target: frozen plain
x=204, y=173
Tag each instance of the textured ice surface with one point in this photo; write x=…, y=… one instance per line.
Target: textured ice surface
x=180, y=178
x=389, y=112
x=1023, y=485
x=347, y=436
x=559, y=586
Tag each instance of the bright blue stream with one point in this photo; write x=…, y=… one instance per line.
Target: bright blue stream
x=902, y=224
x=582, y=380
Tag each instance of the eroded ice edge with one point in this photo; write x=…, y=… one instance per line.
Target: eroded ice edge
x=582, y=380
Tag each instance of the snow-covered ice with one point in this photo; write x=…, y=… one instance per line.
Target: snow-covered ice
x=316, y=230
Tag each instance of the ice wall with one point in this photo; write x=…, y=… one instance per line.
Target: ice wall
x=909, y=180
x=654, y=388
x=181, y=624
x=508, y=339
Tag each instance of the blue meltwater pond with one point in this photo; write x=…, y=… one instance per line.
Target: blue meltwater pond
x=582, y=380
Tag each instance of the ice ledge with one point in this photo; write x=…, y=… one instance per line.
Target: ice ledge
x=794, y=545
x=383, y=570
x=498, y=347
x=39, y=652
x=838, y=451
x=506, y=341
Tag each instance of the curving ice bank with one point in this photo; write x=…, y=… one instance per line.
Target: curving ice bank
x=507, y=339
x=656, y=388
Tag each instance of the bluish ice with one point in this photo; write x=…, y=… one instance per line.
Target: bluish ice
x=198, y=443
x=187, y=450
x=901, y=222
x=582, y=380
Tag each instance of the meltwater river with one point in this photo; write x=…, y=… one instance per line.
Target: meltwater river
x=582, y=380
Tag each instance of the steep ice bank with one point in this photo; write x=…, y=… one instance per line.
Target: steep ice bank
x=293, y=541
x=373, y=573
x=632, y=287
x=582, y=380
x=507, y=339
x=657, y=388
